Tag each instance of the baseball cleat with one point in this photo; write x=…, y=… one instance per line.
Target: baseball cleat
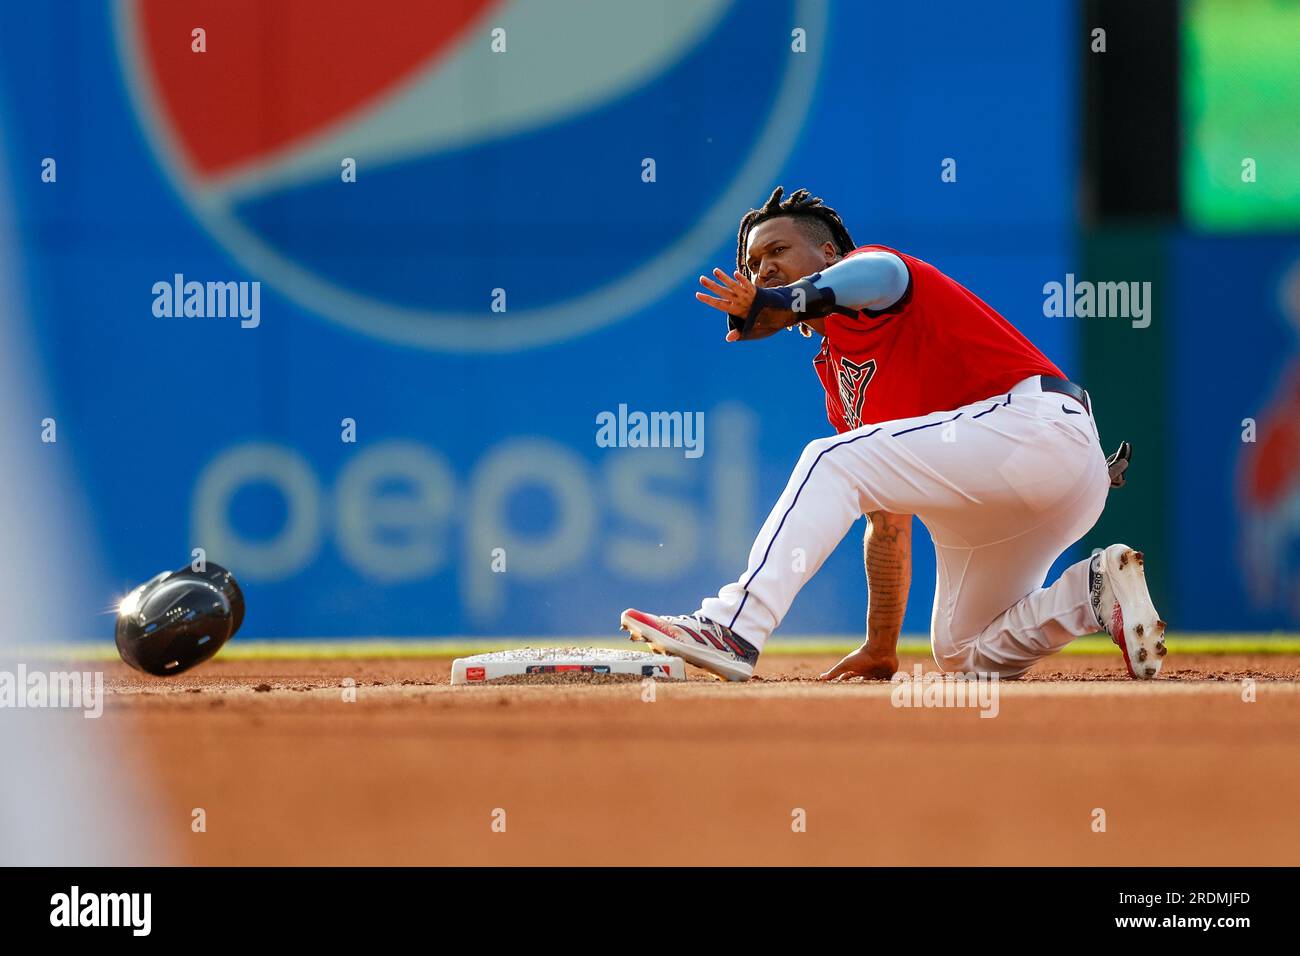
x=1123, y=607
x=696, y=639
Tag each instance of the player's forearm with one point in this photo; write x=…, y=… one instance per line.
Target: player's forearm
x=872, y=280
x=769, y=321
x=889, y=576
x=869, y=280
x=798, y=304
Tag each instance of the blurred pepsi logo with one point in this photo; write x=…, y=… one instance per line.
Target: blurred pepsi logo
x=497, y=145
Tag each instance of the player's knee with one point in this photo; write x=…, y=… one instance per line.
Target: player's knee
x=950, y=657
x=950, y=652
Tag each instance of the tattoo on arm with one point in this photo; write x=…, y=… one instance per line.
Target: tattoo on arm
x=889, y=576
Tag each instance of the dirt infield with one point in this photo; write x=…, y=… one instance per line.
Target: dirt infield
x=290, y=772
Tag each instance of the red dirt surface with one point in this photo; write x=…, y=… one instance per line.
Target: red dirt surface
x=411, y=772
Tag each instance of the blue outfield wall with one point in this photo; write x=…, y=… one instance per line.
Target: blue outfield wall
x=476, y=429
x=1235, y=423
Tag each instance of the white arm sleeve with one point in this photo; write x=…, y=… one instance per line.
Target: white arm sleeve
x=869, y=280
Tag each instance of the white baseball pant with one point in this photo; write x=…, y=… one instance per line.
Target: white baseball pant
x=1003, y=485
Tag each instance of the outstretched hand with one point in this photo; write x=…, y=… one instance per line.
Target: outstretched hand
x=732, y=294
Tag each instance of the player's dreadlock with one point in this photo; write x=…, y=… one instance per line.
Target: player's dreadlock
x=801, y=205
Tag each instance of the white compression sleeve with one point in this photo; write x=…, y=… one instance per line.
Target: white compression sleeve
x=869, y=280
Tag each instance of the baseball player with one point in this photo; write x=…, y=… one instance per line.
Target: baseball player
x=942, y=410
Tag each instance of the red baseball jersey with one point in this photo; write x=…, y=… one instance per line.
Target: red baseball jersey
x=939, y=347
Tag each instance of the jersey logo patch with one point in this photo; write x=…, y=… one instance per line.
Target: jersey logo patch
x=854, y=379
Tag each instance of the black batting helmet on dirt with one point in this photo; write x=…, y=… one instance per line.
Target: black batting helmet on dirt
x=178, y=619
